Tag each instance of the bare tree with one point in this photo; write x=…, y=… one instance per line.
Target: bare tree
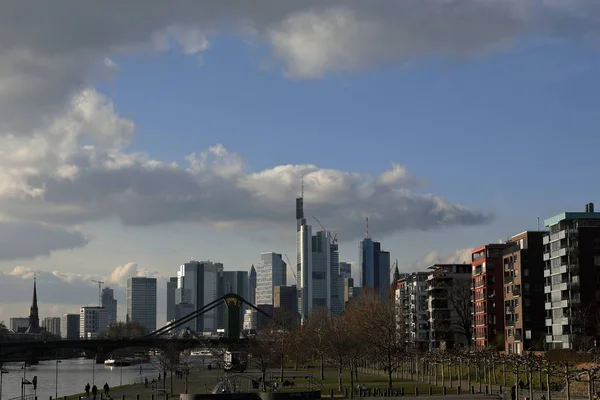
x=317, y=330
x=264, y=356
x=167, y=361
x=459, y=301
x=120, y=330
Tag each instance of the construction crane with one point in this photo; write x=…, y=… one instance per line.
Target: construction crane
x=100, y=283
x=291, y=269
x=334, y=238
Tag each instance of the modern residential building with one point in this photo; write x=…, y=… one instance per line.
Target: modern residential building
x=523, y=265
x=270, y=272
x=488, y=299
x=69, y=326
x=449, y=306
x=198, y=284
x=285, y=298
x=411, y=302
x=171, y=288
x=374, y=265
x=572, y=279
x=141, y=301
x=109, y=302
x=93, y=322
x=252, y=285
x=17, y=324
x=52, y=325
x=345, y=270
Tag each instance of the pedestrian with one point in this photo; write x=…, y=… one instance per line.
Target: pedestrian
x=87, y=390
x=106, y=389
x=146, y=381
x=513, y=393
x=94, y=392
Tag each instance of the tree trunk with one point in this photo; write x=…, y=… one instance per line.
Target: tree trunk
x=171, y=382
x=281, y=371
x=352, y=369
x=590, y=388
x=568, y=378
x=548, y=391
x=389, y=371
x=340, y=369
x=322, y=367
x=530, y=377
x=443, y=375
x=264, y=380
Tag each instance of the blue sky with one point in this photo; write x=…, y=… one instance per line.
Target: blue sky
x=498, y=116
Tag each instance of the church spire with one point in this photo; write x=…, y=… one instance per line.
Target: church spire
x=34, y=319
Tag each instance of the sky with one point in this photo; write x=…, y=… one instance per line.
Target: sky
x=135, y=136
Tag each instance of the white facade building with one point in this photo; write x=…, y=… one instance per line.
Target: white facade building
x=93, y=322
x=52, y=325
x=270, y=272
x=411, y=301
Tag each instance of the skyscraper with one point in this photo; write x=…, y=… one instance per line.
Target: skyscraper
x=69, y=326
x=270, y=272
x=198, y=285
x=374, y=265
x=93, y=322
x=252, y=285
x=141, y=301
x=345, y=270
x=304, y=259
x=110, y=304
x=234, y=282
x=171, y=288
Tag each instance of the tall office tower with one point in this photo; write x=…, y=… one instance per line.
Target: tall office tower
x=69, y=326
x=19, y=324
x=572, y=287
x=523, y=265
x=198, y=285
x=449, y=306
x=141, y=301
x=336, y=303
x=235, y=282
x=488, y=297
x=374, y=265
x=52, y=325
x=345, y=270
x=93, y=322
x=304, y=269
x=110, y=304
x=171, y=288
x=285, y=299
x=270, y=272
x=252, y=285
x=348, y=290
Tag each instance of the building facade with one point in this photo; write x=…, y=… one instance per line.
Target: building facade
x=304, y=259
x=345, y=270
x=109, y=302
x=572, y=279
x=69, y=326
x=374, y=266
x=252, y=285
x=270, y=272
x=412, y=311
x=285, y=299
x=449, y=306
x=171, y=288
x=52, y=325
x=198, y=284
x=18, y=324
x=93, y=322
x=141, y=301
x=235, y=282
x=523, y=266
x=488, y=299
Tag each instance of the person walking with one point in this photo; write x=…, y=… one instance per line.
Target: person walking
x=94, y=392
x=87, y=390
x=106, y=389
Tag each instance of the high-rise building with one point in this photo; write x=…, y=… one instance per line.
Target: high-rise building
x=252, y=285
x=374, y=266
x=335, y=295
x=411, y=302
x=19, y=324
x=171, y=288
x=572, y=273
x=304, y=259
x=270, y=272
x=235, y=282
x=198, y=284
x=69, y=326
x=93, y=322
x=141, y=301
x=52, y=325
x=345, y=270
x=285, y=299
x=449, y=306
x=488, y=297
x=523, y=265
x=348, y=290
x=250, y=320
x=110, y=304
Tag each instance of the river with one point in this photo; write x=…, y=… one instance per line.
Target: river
x=73, y=375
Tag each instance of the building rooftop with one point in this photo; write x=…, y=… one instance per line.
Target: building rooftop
x=571, y=216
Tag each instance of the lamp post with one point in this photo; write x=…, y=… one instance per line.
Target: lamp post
x=121, y=368
x=2, y=372
x=56, y=381
x=93, y=370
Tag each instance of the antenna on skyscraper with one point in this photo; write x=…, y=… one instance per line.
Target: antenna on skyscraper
x=302, y=186
x=367, y=228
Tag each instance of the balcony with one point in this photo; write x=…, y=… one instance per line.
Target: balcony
x=518, y=337
x=548, y=321
x=508, y=279
x=509, y=322
x=547, y=289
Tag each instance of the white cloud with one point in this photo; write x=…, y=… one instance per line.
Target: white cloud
x=460, y=256
x=121, y=273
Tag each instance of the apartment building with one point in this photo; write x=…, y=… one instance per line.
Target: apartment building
x=488, y=301
x=411, y=303
x=523, y=267
x=449, y=306
x=572, y=279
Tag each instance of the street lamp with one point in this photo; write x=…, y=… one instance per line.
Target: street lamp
x=56, y=382
x=2, y=372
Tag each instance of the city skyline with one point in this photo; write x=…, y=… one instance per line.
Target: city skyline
x=187, y=134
